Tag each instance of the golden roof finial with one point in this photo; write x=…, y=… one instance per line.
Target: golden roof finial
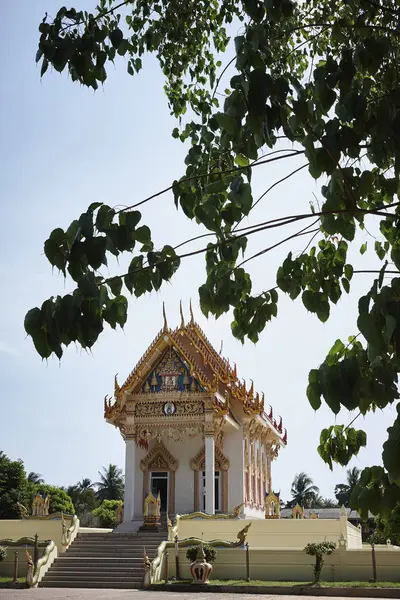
x=182, y=317
x=116, y=385
x=234, y=374
x=251, y=390
x=165, y=317
x=191, y=311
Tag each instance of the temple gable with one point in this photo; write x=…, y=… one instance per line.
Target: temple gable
x=170, y=374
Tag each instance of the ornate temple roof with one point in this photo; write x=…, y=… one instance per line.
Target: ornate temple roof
x=214, y=374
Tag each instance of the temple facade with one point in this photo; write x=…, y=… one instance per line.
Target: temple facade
x=194, y=433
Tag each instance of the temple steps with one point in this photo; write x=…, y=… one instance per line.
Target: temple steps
x=104, y=560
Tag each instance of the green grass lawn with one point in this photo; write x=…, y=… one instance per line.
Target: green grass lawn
x=5, y=581
x=255, y=582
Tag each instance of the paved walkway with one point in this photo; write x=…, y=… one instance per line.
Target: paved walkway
x=85, y=594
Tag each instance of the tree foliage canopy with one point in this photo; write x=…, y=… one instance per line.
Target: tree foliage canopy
x=106, y=513
x=304, y=492
x=60, y=501
x=13, y=486
x=111, y=484
x=324, y=76
x=343, y=491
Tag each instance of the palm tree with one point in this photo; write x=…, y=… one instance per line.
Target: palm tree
x=85, y=484
x=303, y=491
x=321, y=502
x=111, y=484
x=35, y=478
x=343, y=491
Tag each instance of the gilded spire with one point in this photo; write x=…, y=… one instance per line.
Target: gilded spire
x=182, y=317
x=165, y=318
x=251, y=390
x=116, y=385
x=191, y=311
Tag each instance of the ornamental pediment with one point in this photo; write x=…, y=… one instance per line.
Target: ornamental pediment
x=170, y=374
x=159, y=458
x=168, y=407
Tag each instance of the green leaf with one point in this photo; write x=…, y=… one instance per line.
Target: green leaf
x=348, y=271
x=86, y=224
x=88, y=287
x=314, y=395
x=337, y=348
x=96, y=251
x=259, y=84
x=241, y=161
x=115, y=284
x=116, y=36
x=41, y=343
x=33, y=321
x=363, y=248
x=241, y=196
x=45, y=66
x=390, y=328
x=230, y=124
x=143, y=235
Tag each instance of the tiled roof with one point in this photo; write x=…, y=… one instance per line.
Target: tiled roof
x=214, y=373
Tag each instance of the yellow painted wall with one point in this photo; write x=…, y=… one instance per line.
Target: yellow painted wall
x=296, y=565
x=7, y=566
x=49, y=529
x=272, y=533
x=353, y=536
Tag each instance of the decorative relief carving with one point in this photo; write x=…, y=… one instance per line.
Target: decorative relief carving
x=272, y=449
x=219, y=440
x=158, y=463
x=155, y=409
x=178, y=433
x=221, y=462
x=170, y=374
x=159, y=458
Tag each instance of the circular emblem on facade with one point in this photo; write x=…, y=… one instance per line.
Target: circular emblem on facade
x=169, y=409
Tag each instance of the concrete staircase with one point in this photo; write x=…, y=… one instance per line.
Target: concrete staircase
x=104, y=560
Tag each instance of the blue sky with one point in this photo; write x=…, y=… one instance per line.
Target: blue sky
x=61, y=148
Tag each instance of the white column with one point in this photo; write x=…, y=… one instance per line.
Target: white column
x=129, y=493
x=210, y=474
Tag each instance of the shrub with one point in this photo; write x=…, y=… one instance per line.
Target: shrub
x=3, y=553
x=106, y=513
x=59, y=499
x=319, y=550
x=209, y=551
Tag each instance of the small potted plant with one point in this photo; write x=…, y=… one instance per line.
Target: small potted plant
x=201, y=558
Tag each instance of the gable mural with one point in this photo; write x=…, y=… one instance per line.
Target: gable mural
x=171, y=374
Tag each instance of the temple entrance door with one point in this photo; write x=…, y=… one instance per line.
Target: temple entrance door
x=217, y=491
x=159, y=482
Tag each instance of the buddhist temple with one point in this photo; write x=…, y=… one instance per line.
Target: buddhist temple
x=196, y=435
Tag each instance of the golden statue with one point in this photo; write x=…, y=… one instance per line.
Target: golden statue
x=151, y=512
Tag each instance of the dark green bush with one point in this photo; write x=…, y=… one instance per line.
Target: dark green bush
x=209, y=551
